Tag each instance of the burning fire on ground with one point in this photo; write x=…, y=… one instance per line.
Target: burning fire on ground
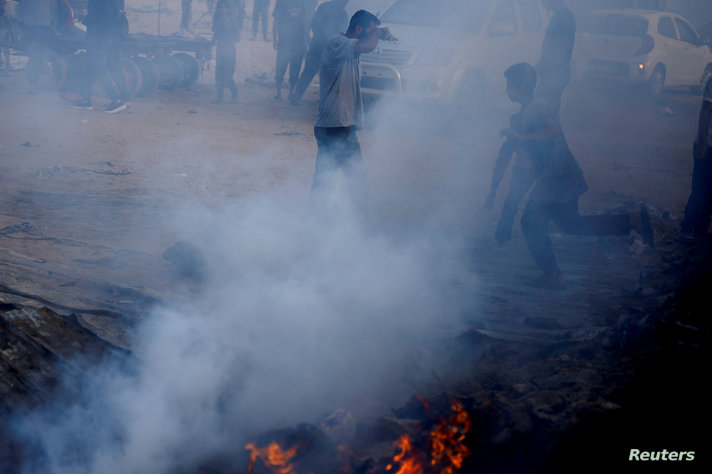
x=276, y=459
x=444, y=451
x=447, y=450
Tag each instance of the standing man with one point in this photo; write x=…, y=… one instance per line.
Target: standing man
x=288, y=38
x=328, y=20
x=554, y=66
x=260, y=9
x=699, y=205
x=107, y=29
x=341, y=105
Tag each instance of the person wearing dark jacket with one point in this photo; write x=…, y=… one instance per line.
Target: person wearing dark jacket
x=107, y=29
x=554, y=66
x=698, y=209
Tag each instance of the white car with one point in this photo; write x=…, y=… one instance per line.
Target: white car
x=649, y=48
x=453, y=52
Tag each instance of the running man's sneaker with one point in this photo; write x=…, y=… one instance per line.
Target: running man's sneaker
x=116, y=106
x=81, y=105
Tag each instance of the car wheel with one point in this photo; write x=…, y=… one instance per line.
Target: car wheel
x=191, y=69
x=170, y=72
x=656, y=81
x=470, y=98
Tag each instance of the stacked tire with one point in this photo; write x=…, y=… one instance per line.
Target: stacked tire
x=142, y=74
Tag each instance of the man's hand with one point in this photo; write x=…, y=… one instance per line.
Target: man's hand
x=385, y=35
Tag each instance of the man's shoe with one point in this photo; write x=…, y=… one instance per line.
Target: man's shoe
x=81, y=105
x=116, y=106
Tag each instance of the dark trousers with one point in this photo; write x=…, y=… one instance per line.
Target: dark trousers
x=535, y=227
x=289, y=55
x=338, y=148
x=699, y=204
x=312, y=64
x=259, y=13
x=103, y=65
x=522, y=179
x=225, y=63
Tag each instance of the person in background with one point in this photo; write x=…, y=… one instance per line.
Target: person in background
x=8, y=30
x=696, y=221
x=260, y=12
x=185, y=8
x=107, y=29
x=329, y=19
x=341, y=107
x=38, y=19
x=554, y=66
x=227, y=25
x=558, y=184
x=288, y=38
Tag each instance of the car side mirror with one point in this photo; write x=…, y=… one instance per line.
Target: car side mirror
x=501, y=29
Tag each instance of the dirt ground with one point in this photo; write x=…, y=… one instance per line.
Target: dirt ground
x=89, y=201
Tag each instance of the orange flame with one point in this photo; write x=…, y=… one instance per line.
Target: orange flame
x=273, y=457
x=410, y=463
x=447, y=448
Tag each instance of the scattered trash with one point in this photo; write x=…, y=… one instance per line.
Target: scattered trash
x=288, y=133
x=666, y=111
x=192, y=111
x=27, y=144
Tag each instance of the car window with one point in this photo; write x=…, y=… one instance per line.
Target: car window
x=615, y=24
x=687, y=33
x=666, y=28
x=531, y=16
x=504, y=19
x=464, y=15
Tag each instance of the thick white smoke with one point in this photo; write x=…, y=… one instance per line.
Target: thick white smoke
x=302, y=311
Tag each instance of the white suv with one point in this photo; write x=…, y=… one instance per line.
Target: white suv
x=453, y=52
x=649, y=48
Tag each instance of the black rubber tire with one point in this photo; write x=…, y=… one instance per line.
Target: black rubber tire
x=170, y=72
x=131, y=74
x=149, y=76
x=191, y=69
